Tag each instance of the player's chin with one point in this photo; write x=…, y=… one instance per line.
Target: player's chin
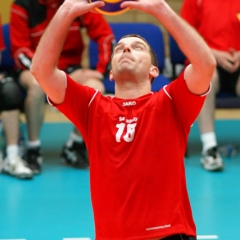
x=127, y=69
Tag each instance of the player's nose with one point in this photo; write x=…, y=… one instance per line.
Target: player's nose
x=126, y=48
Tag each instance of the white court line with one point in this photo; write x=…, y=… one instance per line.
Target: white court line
x=207, y=237
x=75, y=239
x=63, y=239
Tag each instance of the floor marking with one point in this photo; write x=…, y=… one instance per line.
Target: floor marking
x=207, y=237
x=75, y=239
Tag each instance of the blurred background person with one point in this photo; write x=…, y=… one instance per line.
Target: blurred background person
x=28, y=20
x=221, y=31
x=10, y=105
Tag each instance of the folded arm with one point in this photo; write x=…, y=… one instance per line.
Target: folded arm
x=230, y=61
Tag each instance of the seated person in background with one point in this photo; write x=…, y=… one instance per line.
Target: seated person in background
x=29, y=18
x=10, y=104
x=222, y=34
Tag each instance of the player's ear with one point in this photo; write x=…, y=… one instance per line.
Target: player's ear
x=110, y=75
x=154, y=71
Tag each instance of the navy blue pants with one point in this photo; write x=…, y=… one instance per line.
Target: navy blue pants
x=179, y=237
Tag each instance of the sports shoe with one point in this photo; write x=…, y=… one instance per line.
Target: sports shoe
x=76, y=155
x=17, y=167
x=34, y=159
x=212, y=160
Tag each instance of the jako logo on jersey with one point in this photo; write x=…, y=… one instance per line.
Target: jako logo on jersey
x=132, y=103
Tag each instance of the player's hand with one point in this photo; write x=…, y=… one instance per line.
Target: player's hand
x=148, y=6
x=79, y=7
x=230, y=61
x=236, y=59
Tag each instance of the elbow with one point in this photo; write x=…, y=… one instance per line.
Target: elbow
x=210, y=58
x=37, y=71
x=213, y=65
x=210, y=64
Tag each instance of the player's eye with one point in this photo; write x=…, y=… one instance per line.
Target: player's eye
x=118, y=49
x=138, y=47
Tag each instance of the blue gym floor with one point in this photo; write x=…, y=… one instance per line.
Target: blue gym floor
x=56, y=204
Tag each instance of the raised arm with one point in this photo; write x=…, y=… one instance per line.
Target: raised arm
x=199, y=73
x=51, y=79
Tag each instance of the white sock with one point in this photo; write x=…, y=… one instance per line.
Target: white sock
x=34, y=144
x=73, y=138
x=209, y=140
x=12, y=151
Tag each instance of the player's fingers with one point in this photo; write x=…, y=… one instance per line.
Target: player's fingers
x=235, y=57
x=229, y=58
x=235, y=66
x=130, y=4
x=228, y=66
x=97, y=4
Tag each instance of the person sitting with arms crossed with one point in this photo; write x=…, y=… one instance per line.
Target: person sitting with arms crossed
x=136, y=139
x=222, y=36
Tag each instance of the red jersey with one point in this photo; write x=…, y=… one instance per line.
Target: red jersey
x=2, y=46
x=217, y=21
x=136, y=150
x=29, y=19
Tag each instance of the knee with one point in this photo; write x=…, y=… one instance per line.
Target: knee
x=30, y=84
x=32, y=88
x=11, y=95
x=96, y=84
x=36, y=90
x=215, y=83
x=99, y=86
